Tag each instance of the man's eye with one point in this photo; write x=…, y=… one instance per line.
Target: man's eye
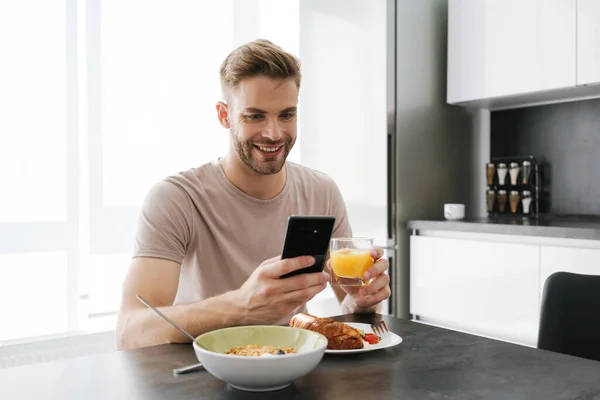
x=287, y=116
x=254, y=117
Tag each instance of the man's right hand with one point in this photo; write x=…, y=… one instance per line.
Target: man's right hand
x=266, y=298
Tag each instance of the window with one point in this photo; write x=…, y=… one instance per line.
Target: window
x=36, y=127
x=110, y=97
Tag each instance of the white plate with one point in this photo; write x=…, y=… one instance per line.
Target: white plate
x=390, y=340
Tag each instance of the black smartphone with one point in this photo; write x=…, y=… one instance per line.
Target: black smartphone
x=308, y=236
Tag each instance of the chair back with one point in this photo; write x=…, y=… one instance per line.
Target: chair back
x=570, y=315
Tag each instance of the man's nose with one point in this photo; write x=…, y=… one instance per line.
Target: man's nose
x=273, y=131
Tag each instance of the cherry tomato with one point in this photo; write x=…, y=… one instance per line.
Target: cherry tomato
x=371, y=338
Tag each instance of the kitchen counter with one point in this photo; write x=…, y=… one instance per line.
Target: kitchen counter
x=544, y=226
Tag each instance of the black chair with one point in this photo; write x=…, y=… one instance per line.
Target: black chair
x=570, y=317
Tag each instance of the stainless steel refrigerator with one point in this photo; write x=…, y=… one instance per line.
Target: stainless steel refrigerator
x=373, y=116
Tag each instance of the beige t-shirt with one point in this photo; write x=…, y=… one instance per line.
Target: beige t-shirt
x=220, y=235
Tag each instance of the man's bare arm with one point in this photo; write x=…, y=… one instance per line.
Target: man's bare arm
x=263, y=299
x=156, y=280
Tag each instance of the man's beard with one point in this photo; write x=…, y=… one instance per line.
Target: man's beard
x=244, y=151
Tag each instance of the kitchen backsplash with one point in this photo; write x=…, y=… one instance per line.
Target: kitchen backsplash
x=565, y=139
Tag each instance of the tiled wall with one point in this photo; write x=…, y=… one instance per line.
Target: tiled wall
x=565, y=138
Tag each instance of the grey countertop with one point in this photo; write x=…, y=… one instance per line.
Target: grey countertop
x=430, y=363
x=546, y=226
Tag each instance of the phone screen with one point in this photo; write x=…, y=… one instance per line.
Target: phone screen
x=308, y=236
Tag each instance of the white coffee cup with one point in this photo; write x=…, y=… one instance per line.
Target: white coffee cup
x=454, y=211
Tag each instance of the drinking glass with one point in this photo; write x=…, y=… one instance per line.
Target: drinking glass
x=349, y=260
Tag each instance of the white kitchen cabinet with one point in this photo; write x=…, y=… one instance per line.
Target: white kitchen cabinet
x=481, y=287
x=588, y=42
x=557, y=258
x=500, y=48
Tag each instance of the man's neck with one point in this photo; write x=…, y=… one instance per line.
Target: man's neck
x=262, y=187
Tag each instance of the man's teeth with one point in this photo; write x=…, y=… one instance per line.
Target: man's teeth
x=269, y=149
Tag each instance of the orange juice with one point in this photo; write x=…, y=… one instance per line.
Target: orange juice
x=349, y=263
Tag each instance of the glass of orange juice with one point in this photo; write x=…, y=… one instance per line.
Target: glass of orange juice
x=349, y=260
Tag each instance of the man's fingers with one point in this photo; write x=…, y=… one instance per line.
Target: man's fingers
x=282, y=267
x=303, y=295
x=302, y=281
x=373, y=299
x=375, y=286
x=272, y=260
x=376, y=269
x=376, y=253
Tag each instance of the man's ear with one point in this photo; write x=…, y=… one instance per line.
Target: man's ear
x=223, y=114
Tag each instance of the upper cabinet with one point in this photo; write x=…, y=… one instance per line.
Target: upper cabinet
x=511, y=53
x=588, y=42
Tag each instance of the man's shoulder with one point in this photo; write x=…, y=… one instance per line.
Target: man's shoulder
x=185, y=182
x=309, y=176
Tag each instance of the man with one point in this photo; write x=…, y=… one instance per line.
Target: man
x=208, y=239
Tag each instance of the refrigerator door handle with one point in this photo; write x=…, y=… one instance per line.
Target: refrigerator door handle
x=390, y=248
x=390, y=186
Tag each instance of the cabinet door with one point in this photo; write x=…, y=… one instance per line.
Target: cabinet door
x=588, y=42
x=509, y=47
x=485, y=288
x=568, y=259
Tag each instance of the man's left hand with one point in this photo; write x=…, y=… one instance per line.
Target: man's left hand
x=366, y=298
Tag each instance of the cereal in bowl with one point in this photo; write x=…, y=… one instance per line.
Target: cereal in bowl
x=258, y=350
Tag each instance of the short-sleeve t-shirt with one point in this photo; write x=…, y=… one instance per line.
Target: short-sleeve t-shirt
x=220, y=235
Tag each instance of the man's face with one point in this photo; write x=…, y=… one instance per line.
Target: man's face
x=263, y=124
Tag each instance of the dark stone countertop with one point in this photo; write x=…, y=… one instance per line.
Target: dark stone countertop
x=430, y=363
x=544, y=226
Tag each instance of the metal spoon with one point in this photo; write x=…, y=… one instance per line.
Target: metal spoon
x=176, y=371
x=189, y=368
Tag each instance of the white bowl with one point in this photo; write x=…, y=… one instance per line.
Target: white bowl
x=254, y=373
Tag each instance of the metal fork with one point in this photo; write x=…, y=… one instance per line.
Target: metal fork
x=380, y=329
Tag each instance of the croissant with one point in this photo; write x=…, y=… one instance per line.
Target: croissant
x=339, y=335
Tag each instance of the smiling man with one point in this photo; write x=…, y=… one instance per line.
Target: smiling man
x=208, y=240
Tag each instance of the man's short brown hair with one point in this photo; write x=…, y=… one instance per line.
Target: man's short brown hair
x=258, y=58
